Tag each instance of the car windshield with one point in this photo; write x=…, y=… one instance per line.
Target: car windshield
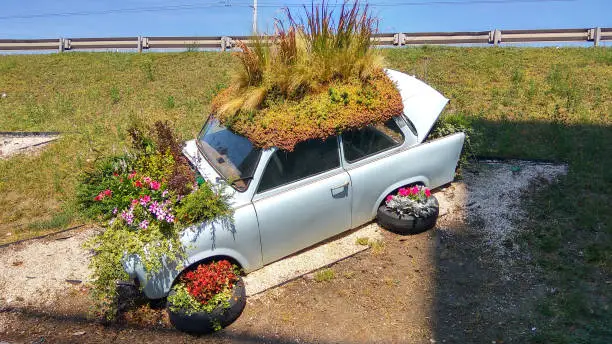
x=232, y=155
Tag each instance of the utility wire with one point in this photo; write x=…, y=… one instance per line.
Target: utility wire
x=184, y=7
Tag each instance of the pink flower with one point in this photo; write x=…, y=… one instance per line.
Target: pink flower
x=145, y=199
x=144, y=224
x=403, y=192
x=146, y=180
x=155, y=185
x=114, y=211
x=389, y=198
x=134, y=201
x=108, y=193
x=427, y=193
x=132, y=175
x=414, y=190
x=99, y=197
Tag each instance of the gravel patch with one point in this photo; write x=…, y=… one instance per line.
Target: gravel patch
x=35, y=272
x=11, y=144
x=489, y=197
x=310, y=260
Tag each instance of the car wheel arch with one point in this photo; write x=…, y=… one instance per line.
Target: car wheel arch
x=409, y=181
x=210, y=256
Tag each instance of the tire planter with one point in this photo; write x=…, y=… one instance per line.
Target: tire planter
x=407, y=224
x=201, y=322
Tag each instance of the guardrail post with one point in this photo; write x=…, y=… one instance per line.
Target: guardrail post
x=139, y=44
x=594, y=35
x=144, y=43
x=399, y=39
x=495, y=37
x=60, y=49
x=67, y=44
x=226, y=43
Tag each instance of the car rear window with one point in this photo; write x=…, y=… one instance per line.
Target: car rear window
x=375, y=138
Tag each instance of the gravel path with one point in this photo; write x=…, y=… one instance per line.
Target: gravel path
x=35, y=272
x=11, y=145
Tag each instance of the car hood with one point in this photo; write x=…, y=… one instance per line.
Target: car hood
x=422, y=104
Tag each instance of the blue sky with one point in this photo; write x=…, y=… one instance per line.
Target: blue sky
x=51, y=19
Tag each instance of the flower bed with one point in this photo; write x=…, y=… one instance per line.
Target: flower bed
x=412, y=210
x=145, y=198
x=207, y=298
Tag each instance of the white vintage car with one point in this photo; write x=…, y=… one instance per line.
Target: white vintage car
x=286, y=201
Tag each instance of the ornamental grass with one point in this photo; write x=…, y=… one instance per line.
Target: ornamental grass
x=316, y=77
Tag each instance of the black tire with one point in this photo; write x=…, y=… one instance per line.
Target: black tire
x=404, y=225
x=204, y=322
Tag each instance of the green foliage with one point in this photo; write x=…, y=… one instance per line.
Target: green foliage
x=59, y=220
x=147, y=70
x=316, y=78
x=454, y=123
x=203, y=204
x=182, y=301
x=169, y=103
x=324, y=275
x=118, y=242
x=114, y=95
x=105, y=176
x=362, y=241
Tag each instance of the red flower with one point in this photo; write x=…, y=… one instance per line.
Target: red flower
x=108, y=193
x=115, y=174
x=209, y=279
x=427, y=193
x=155, y=185
x=99, y=197
x=138, y=184
x=132, y=175
x=389, y=198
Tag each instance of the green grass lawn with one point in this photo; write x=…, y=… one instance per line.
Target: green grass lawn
x=535, y=103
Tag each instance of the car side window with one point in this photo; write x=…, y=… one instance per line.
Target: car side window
x=309, y=158
x=375, y=138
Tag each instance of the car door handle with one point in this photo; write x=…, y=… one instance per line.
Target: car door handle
x=340, y=186
x=340, y=191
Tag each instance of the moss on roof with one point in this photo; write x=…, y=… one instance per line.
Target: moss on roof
x=339, y=106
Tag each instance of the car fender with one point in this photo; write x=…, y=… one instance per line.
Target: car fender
x=219, y=252
x=412, y=180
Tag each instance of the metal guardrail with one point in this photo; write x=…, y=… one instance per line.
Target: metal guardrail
x=495, y=37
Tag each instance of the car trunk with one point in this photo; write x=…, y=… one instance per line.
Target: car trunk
x=422, y=104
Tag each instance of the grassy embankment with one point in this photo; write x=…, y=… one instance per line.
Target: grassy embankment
x=536, y=103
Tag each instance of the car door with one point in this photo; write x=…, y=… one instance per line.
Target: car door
x=302, y=198
x=378, y=162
